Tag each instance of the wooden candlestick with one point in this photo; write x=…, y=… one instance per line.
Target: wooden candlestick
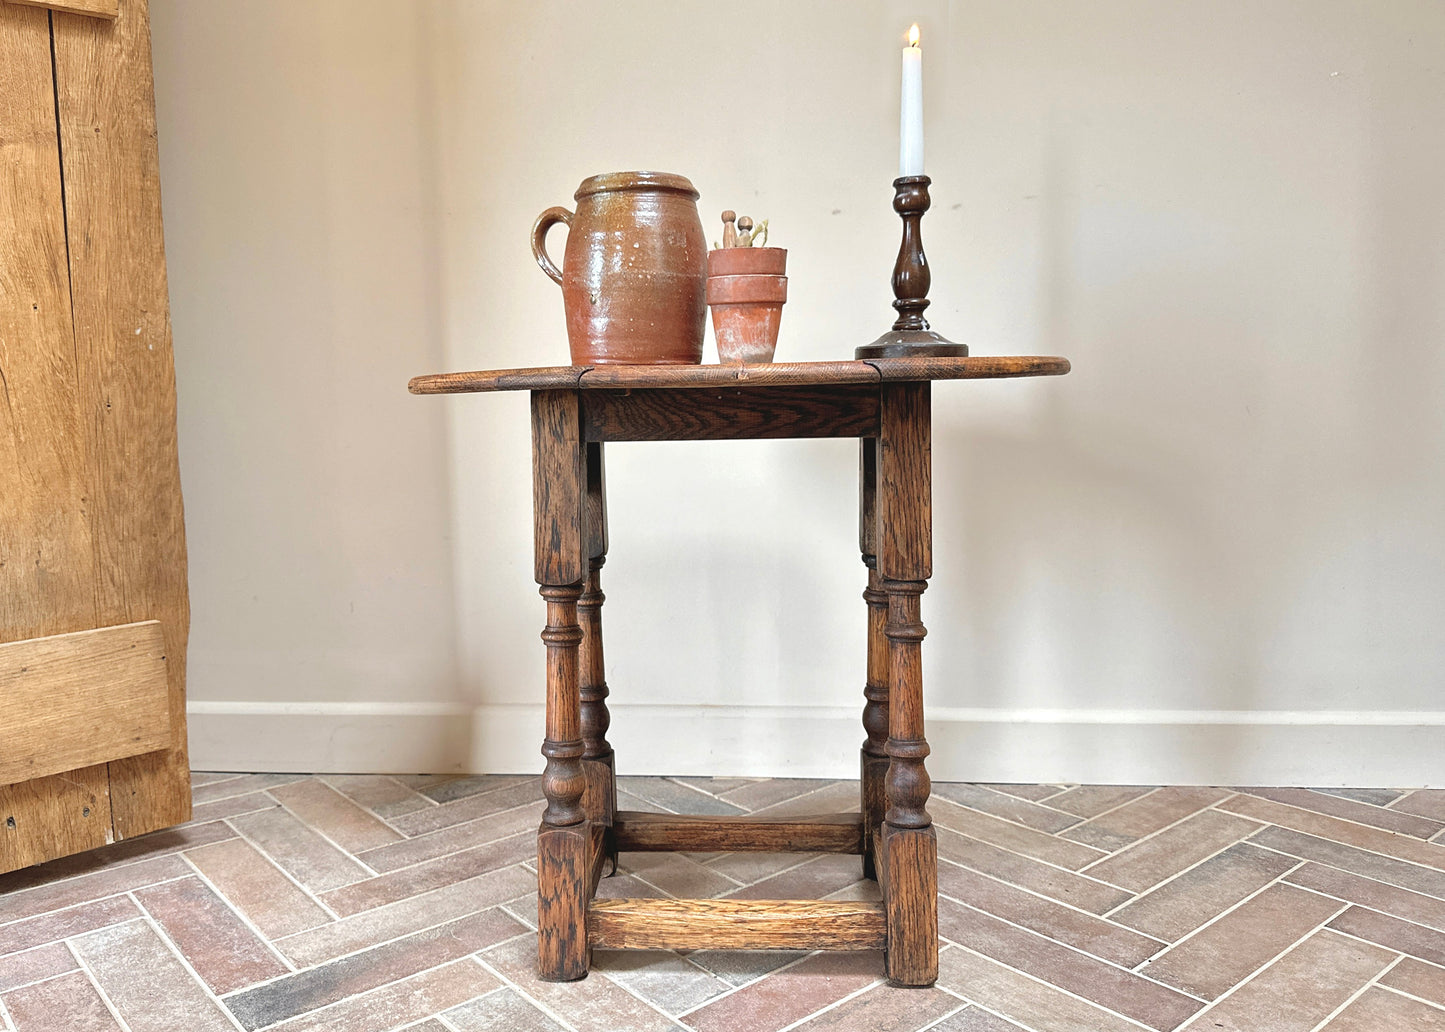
x=910, y=335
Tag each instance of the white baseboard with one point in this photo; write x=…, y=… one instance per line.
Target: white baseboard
x=1318, y=748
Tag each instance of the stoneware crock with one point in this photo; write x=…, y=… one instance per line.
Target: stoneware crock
x=634, y=275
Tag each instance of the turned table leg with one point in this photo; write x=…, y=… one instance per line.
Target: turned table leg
x=908, y=848
x=873, y=757
x=599, y=799
x=564, y=846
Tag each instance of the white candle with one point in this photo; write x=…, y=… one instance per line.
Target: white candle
x=910, y=132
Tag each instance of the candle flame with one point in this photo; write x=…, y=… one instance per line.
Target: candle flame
x=913, y=35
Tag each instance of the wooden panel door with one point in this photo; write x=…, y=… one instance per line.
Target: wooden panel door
x=91, y=533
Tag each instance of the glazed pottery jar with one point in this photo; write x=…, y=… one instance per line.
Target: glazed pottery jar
x=634, y=275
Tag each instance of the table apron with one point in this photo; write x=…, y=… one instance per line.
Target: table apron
x=729, y=413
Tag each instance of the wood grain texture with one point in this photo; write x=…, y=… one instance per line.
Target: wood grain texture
x=909, y=868
x=106, y=107
x=729, y=413
x=75, y=700
x=46, y=556
x=559, y=487
x=564, y=880
x=905, y=486
x=90, y=8
x=873, y=756
x=766, y=924
x=774, y=374
x=640, y=831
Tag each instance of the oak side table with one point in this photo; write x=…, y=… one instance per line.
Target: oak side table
x=576, y=410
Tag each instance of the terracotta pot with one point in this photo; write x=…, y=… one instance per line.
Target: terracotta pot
x=634, y=273
x=747, y=290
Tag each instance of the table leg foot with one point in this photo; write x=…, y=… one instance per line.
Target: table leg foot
x=910, y=902
x=563, y=887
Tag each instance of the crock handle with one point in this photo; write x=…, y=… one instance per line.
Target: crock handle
x=546, y=221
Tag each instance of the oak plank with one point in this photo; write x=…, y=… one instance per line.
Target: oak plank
x=640, y=831
x=105, y=102
x=75, y=700
x=730, y=413
x=46, y=558
x=91, y=8
x=772, y=374
x=759, y=924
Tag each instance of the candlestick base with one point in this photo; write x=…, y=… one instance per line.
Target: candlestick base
x=911, y=336
x=911, y=344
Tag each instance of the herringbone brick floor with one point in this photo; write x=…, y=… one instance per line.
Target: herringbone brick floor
x=370, y=903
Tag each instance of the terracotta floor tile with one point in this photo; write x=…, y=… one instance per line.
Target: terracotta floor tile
x=999, y=804
x=1214, y=960
x=217, y=944
x=1143, y=816
x=739, y=967
x=505, y=1010
x=973, y=1019
x=885, y=1009
x=231, y=806
x=394, y=1005
x=382, y=795
x=66, y=1004
x=455, y=838
x=1424, y=802
x=1357, y=861
x=362, y=972
x=1077, y=928
x=1299, y=990
x=432, y=874
x=747, y=868
x=1197, y=896
x=1015, y=837
x=812, y=880
x=676, y=875
x=663, y=978
x=1379, y=1009
x=211, y=777
x=863, y=889
x=1418, y=979
x=338, y=818
x=514, y=792
x=31, y=966
x=1148, y=862
x=257, y=888
x=62, y=924
x=830, y=797
x=149, y=987
x=299, y=850
x=675, y=797
x=113, y=857
x=594, y=1004
x=1065, y=886
x=1031, y=1003
x=1092, y=800
x=784, y=997
x=1122, y=991
x=15, y=906
x=1400, y=847
x=757, y=794
x=1373, y=796
x=241, y=786
x=372, y=927
x=718, y=786
x=1393, y=933
x=1402, y=823
x=1412, y=906
x=426, y=782
x=1033, y=793
x=476, y=784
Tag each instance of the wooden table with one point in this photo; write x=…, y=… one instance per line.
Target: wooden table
x=576, y=410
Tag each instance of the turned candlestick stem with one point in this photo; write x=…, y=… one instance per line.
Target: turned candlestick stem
x=911, y=335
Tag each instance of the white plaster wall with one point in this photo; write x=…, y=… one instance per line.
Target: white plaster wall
x=1214, y=552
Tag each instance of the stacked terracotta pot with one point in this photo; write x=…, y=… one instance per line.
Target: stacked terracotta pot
x=746, y=289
